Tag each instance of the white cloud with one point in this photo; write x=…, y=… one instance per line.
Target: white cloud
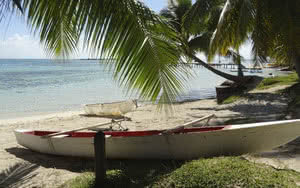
x=25, y=47
x=21, y=46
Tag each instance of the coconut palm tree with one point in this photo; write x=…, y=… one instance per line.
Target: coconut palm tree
x=196, y=37
x=142, y=48
x=272, y=25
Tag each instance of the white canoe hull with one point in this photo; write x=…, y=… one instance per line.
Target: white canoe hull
x=110, y=109
x=231, y=140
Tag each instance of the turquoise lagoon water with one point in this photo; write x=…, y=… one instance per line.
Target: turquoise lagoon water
x=35, y=87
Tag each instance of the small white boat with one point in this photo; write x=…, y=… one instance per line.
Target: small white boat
x=110, y=109
x=189, y=143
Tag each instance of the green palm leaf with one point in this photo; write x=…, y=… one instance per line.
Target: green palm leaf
x=57, y=30
x=9, y=6
x=201, y=14
x=17, y=3
x=125, y=31
x=239, y=13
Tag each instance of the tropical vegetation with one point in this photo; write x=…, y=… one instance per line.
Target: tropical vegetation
x=272, y=26
x=145, y=49
x=192, y=44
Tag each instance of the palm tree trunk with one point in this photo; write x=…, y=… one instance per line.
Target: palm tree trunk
x=217, y=72
x=296, y=62
x=240, y=70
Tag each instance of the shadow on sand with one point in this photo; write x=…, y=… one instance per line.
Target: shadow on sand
x=136, y=170
x=287, y=151
x=52, y=161
x=259, y=107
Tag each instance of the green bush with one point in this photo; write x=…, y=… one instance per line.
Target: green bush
x=228, y=172
x=86, y=180
x=114, y=179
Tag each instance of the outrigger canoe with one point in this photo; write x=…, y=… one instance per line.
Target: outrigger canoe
x=187, y=143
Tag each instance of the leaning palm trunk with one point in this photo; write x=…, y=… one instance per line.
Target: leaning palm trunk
x=230, y=77
x=240, y=70
x=296, y=62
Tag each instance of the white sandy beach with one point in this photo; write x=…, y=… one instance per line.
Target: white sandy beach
x=55, y=170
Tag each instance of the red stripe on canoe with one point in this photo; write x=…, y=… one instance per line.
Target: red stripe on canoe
x=127, y=133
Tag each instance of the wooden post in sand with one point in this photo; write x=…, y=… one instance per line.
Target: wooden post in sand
x=100, y=159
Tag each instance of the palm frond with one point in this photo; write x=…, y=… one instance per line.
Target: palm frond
x=236, y=57
x=126, y=31
x=18, y=3
x=234, y=24
x=17, y=174
x=195, y=20
x=284, y=31
x=200, y=43
x=175, y=12
x=54, y=25
x=9, y=7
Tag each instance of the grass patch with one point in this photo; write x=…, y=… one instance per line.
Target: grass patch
x=114, y=178
x=278, y=80
x=127, y=173
x=209, y=173
x=232, y=99
x=84, y=180
x=228, y=172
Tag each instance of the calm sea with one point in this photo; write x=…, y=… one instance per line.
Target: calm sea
x=35, y=87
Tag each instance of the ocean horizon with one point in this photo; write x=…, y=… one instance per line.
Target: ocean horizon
x=42, y=86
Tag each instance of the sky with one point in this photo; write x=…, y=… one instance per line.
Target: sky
x=17, y=42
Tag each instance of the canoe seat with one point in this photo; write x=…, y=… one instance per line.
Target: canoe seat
x=61, y=136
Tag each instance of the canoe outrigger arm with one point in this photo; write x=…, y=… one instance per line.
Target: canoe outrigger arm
x=181, y=127
x=84, y=128
x=118, y=122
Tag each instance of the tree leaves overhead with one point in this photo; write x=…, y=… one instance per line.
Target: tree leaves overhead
x=234, y=23
x=55, y=26
x=18, y=4
x=273, y=26
x=202, y=16
x=285, y=33
x=176, y=11
x=9, y=6
x=124, y=31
